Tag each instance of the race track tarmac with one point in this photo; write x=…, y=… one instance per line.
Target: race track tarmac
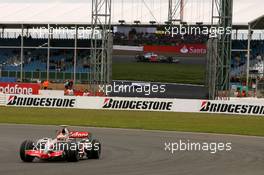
x=173, y=90
x=136, y=152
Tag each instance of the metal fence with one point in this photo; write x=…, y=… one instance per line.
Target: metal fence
x=53, y=76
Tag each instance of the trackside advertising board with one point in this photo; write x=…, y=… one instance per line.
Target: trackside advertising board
x=233, y=107
x=183, y=49
x=20, y=88
x=241, y=107
x=40, y=101
x=138, y=104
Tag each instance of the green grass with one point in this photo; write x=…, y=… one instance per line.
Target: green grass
x=190, y=122
x=172, y=73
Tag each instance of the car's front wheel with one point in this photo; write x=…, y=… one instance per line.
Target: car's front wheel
x=95, y=152
x=72, y=152
x=26, y=145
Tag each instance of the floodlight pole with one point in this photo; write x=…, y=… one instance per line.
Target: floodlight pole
x=182, y=10
x=248, y=53
x=75, y=54
x=100, y=45
x=263, y=67
x=48, y=52
x=22, y=53
x=222, y=11
x=3, y=32
x=175, y=11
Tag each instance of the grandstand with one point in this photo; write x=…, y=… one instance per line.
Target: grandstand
x=35, y=57
x=62, y=52
x=239, y=58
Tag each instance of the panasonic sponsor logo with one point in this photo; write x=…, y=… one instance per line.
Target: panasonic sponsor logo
x=110, y=103
x=40, y=102
x=231, y=108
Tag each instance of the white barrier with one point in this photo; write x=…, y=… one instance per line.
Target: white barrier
x=128, y=48
x=51, y=92
x=2, y=100
x=235, y=106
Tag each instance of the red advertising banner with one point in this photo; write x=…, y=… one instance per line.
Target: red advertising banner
x=20, y=88
x=193, y=49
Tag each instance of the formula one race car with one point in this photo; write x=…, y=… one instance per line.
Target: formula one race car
x=155, y=58
x=68, y=145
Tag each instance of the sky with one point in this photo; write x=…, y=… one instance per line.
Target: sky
x=129, y=10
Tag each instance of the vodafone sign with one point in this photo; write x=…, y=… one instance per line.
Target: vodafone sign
x=20, y=88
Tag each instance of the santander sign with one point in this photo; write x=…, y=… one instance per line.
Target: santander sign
x=184, y=49
x=192, y=50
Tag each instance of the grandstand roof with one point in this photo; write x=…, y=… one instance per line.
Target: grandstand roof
x=17, y=25
x=257, y=23
x=79, y=11
x=44, y=12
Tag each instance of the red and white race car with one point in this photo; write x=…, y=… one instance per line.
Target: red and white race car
x=68, y=145
x=155, y=58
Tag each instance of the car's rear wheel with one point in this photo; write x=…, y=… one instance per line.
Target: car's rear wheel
x=26, y=145
x=170, y=59
x=95, y=152
x=72, y=152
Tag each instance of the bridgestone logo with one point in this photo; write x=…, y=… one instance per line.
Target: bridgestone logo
x=40, y=102
x=231, y=108
x=110, y=103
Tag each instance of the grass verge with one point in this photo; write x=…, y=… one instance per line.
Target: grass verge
x=190, y=122
x=171, y=73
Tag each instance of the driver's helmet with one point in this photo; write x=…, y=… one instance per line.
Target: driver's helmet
x=63, y=135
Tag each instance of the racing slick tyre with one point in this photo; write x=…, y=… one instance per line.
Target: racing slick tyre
x=170, y=60
x=26, y=145
x=72, y=152
x=95, y=152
